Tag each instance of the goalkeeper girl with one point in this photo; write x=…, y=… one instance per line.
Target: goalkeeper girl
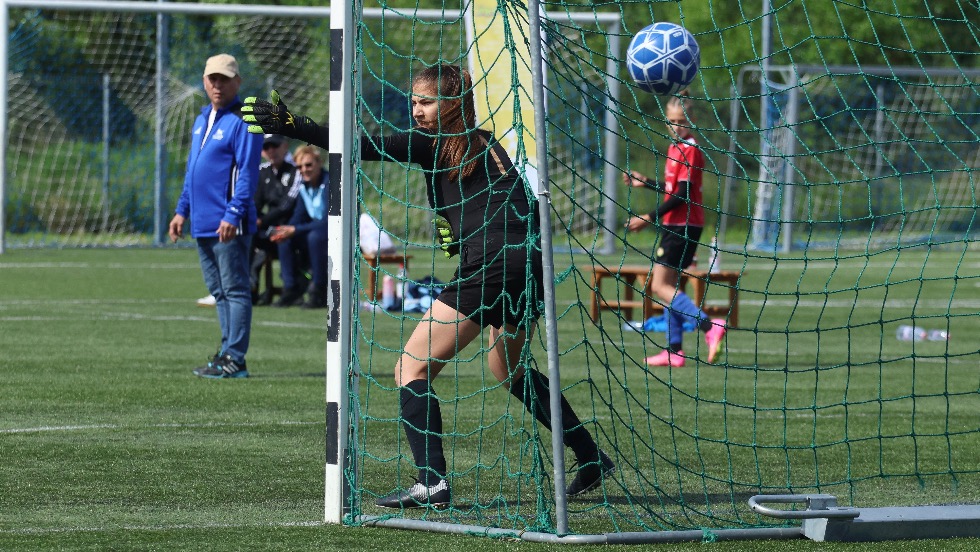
x=472, y=183
x=681, y=220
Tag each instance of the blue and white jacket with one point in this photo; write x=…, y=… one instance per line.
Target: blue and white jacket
x=312, y=206
x=222, y=173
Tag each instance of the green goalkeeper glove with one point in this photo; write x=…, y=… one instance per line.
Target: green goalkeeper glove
x=444, y=237
x=273, y=117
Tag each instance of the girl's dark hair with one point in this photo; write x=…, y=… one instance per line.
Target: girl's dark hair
x=457, y=115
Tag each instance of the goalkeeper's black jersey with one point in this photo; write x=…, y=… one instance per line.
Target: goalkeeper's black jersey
x=491, y=202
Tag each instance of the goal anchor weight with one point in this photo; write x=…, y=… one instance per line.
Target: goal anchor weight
x=823, y=520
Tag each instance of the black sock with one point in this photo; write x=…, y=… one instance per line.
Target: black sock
x=576, y=436
x=675, y=347
x=422, y=419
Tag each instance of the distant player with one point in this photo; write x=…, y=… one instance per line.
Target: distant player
x=472, y=183
x=681, y=220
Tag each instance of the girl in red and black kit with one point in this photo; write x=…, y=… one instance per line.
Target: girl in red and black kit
x=681, y=221
x=473, y=184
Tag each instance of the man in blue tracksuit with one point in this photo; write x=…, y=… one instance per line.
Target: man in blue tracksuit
x=222, y=173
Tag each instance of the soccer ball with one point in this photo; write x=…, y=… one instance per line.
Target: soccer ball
x=663, y=58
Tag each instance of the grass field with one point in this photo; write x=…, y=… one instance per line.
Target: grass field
x=108, y=441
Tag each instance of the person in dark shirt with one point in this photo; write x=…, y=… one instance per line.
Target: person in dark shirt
x=305, y=235
x=275, y=198
x=472, y=183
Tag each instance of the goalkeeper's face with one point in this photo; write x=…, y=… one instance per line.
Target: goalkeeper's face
x=221, y=89
x=426, y=106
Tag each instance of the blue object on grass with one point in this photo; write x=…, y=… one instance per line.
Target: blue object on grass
x=659, y=324
x=419, y=295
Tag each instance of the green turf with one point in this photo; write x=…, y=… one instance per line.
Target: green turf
x=108, y=441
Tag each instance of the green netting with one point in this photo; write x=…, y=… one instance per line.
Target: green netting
x=82, y=110
x=812, y=392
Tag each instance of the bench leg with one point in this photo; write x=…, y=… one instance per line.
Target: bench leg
x=268, y=268
x=372, y=290
x=629, y=280
x=594, y=306
x=641, y=283
x=733, y=301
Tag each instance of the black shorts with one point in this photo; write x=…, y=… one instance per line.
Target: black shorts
x=501, y=286
x=676, y=246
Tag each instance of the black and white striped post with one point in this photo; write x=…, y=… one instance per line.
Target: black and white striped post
x=341, y=374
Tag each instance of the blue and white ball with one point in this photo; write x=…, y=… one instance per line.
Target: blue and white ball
x=663, y=58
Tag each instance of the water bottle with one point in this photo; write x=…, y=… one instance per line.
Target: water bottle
x=910, y=333
x=402, y=287
x=713, y=261
x=388, y=292
x=938, y=335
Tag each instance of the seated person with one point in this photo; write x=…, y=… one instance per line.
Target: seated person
x=306, y=233
x=275, y=197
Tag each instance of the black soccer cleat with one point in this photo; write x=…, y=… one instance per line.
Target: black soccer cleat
x=590, y=475
x=419, y=496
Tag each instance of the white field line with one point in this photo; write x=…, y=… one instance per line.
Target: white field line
x=776, y=301
x=134, y=316
x=189, y=302
x=175, y=527
x=206, y=315
x=114, y=266
x=92, y=427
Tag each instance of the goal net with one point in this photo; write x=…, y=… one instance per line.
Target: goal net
x=813, y=393
x=96, y=145
x=896, y=146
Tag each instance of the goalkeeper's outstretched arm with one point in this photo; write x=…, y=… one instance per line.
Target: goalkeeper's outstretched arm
x=273, y=117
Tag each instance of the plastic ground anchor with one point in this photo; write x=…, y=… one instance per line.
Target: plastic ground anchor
x=817, y=506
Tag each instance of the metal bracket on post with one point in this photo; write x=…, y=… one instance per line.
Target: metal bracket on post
x=817, y=506
x=822, y=515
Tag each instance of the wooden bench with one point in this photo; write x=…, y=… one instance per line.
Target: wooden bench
x=374, y=261
x=636, y=278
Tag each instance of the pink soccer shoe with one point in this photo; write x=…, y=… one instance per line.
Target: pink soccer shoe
x=714, y=336
x=667, y=358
